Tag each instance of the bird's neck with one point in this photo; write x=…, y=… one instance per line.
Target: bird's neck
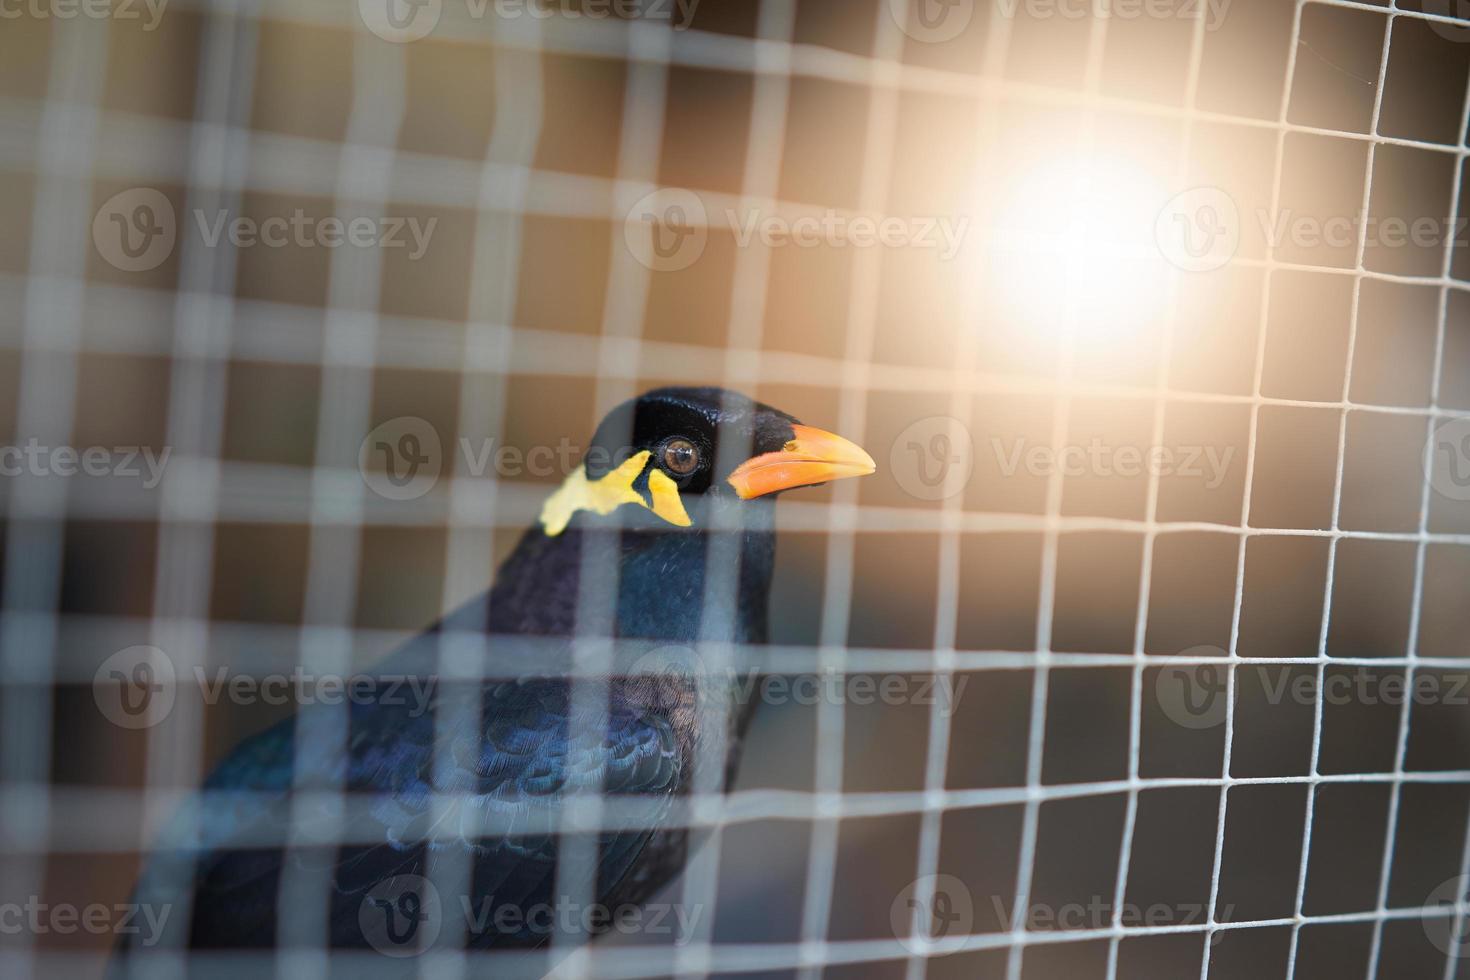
x=643, y=583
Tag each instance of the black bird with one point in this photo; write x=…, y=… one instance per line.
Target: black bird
x=664, y=535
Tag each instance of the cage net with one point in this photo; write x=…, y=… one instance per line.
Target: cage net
x=1141, y=655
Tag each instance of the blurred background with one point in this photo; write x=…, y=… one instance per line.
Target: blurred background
x=1154, y=315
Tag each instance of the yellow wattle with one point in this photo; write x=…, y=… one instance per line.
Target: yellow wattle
x=605, y=495
x=666, y=501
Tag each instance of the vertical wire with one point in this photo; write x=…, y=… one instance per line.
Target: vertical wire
x=760, y=181
x=619, y=347
x=461, y=657
x=1316, y=754
x=946, y=626
x=1390, y=832
x=861, y=330
x=1051, y=547
x=365, y=170
x=30, y=604
x=204, y=311
x=1151, y=514
x=1246, y=491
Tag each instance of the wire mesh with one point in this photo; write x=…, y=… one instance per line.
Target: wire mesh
x=1074, y=816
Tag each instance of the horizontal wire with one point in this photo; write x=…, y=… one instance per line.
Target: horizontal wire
x=612, y=38
x=649, y=961
x=136, y=322
x=257, y=649
x=74, y=828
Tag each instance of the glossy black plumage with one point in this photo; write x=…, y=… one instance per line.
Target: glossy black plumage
x=505, y=748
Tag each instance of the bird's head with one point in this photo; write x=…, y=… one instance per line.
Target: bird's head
x=673, y=446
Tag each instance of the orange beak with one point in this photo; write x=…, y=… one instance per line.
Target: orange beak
x=811, y=457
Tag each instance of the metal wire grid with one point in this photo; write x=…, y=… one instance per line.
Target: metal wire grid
x=73, y=138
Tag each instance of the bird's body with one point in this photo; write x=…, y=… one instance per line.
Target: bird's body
x=483, y=769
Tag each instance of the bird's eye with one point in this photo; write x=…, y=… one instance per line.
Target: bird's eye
x=680, y=457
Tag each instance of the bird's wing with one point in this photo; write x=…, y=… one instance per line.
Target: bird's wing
x=507, y=766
